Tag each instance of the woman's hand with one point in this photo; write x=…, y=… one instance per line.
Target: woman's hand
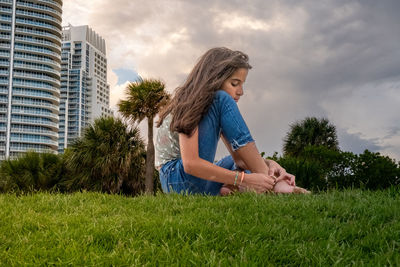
x=280, y=173
x=258, y=182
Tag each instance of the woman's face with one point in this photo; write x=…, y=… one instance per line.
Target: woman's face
x=234, y=84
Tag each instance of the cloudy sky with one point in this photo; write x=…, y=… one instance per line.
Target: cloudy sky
x=338, y=59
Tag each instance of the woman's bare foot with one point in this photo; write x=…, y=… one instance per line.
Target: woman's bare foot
x=280, y=187
x=285, y=188
x=300, y=190
x=227, y=189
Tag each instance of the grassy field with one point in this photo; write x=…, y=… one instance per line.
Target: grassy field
x=335, y=228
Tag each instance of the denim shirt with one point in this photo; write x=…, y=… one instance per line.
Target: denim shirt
x=167, y=143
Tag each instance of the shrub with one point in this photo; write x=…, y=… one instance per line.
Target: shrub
x=109, y=157
x=374, y=171
x=309, y=174
x=342, y=173
x=31, y=172
x=320, y=168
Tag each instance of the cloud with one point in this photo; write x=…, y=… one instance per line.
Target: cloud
x=355, y=143
x=117, y=93
x=336, y=59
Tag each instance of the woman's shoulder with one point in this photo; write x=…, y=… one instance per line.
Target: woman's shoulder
x=221, y=94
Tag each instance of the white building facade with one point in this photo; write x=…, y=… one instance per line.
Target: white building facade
x=30, y=57
x=85, y=94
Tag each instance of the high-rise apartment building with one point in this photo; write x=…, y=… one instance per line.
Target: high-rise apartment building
x=30, y=49
x=85, y=94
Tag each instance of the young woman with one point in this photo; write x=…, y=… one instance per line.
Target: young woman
x=203, y=110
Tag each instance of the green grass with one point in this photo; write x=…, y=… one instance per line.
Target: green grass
x=336, y=228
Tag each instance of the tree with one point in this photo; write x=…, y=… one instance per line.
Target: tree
x=145, y=99
x=375, y=171
x=108, y=157
x=310, y=131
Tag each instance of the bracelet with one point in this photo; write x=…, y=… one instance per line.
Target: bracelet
x=237, y=174
x=242, y=178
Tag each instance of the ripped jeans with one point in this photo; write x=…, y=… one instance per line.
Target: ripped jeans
x=223, y=117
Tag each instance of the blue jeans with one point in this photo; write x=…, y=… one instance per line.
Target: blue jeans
x=223, y=117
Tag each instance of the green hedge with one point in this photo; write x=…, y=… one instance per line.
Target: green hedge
x=320, y=168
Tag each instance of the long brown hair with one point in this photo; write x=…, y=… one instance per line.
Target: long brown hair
x=193, y=99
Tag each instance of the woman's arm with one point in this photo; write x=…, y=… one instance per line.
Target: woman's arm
x=198, y=167
x=274, y=168
x=238, y=161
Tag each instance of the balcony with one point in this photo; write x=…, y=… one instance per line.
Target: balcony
x=37, y=50
x=53, y=3
x=32, y=14
x=6, y=1
x=5, y=37
x=5, y=27
x=21, y=92
x=4, y=45
x=34, y=131
x=34, y=141
x=39, y=33
x=36, y=67
x=4, y=54
x=4, y=72
x=37, y=86
x=17, y=148
x=4, y=82
x=35, y=122
x=6, y=10
x=31, y=40
x=44, y=25
x=35, y=113
x=37, y=59
x=42, y=8
x=4, y=18
x=39, y=77
x=35, y=104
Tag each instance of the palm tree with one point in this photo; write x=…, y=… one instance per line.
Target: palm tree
x=108, y=157
x=145, y=99
x=310, y=132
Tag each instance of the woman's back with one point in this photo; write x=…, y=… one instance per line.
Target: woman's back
x=167, y=143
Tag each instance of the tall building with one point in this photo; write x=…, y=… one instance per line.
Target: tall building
x=30, y=49
x=85, y=94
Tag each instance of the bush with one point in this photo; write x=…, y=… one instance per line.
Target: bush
x=31, y=172
x=312, y=167
x=342, y=173
x=320, y=168
x=374, y=171
x=109, y=158
x=309, y=174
